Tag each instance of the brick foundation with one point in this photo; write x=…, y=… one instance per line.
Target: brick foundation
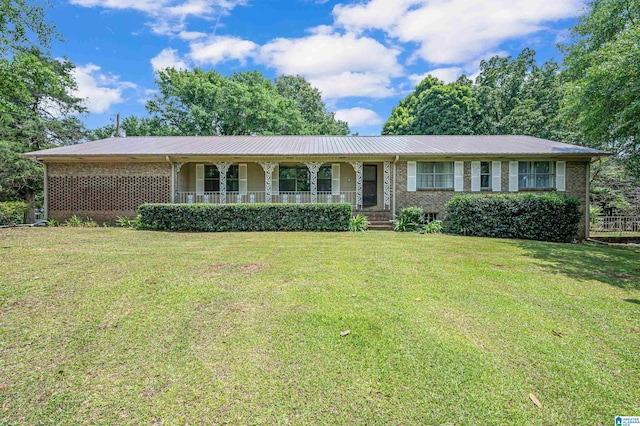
x=104, y=191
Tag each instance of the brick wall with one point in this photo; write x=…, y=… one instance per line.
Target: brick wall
x=433, y=201
x=104, y=191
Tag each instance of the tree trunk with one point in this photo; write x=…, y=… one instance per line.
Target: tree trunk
x=30, y=215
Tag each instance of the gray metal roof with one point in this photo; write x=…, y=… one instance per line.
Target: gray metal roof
x=316, y=146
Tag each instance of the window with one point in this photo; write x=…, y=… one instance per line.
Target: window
x=212, y=179
x=298, y=179
x=294, y=179
x=324, y=179
x=437, y=175
x=536, y=174
x=430, y=217
x=485, y=175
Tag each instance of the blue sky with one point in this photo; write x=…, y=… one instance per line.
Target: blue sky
x=363, y=55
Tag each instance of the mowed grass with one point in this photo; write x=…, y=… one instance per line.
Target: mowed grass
x=113, y=326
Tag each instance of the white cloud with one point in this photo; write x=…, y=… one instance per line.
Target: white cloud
x=447, y=75
x=221, y=48
x=453, y=31
x=330, y=54
x=321, y=29
x=99, y=90
x=167, y=17
x=168, y=58
x=357, y=117
x=346, y=84
x=191, y=35
x=340, y=65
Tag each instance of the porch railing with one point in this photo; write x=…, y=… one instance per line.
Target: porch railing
x=615, y=225
x=259, y=197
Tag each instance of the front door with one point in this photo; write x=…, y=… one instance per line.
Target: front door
x=369, y=185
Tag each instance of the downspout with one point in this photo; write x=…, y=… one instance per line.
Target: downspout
x=394, y=184
x=587, y=219
x=173, y=180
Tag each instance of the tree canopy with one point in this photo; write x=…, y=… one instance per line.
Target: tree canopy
x=207, y=103
x=602, y=75
x=509, y=96
x=37, y=106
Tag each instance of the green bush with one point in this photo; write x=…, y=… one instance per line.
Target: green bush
x=433, y=227
x=358, y=223
x=12, y=212
x=410, y=219
x=74, y=221
x=245, y=217
x=547, y=217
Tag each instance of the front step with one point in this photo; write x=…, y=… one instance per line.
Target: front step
x=380, y=225
x=379, y=220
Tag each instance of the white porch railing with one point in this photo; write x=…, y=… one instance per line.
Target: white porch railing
x=259, y=197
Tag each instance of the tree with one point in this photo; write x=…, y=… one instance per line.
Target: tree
x=38, y=111
x=434, y=108
x=20, y=22
x=206, y=103
x=602, y=75
x=613, y=189
x=318, y=121
x=509, y=96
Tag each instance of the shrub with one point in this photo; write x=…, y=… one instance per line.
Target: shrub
x=547, y=217
x=410, y=219
x=434, y=227
x=245, y=217
x=359, y=223
x=124, y=222
x=52, y=222
x=12, y=212
x=74, y=221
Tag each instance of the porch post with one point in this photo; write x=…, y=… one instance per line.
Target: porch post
x=46, y=192
x=176, y=188
x=268, y=182
x=313, y=170
x=387, y=185
x=222, y=169
x=357, y=166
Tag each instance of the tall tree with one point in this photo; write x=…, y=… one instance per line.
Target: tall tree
x=602, y=74
x=38, y=111
x=23, y=25
x=434, y=108
x=206, y=103
x=318, y=121
x=509, y=96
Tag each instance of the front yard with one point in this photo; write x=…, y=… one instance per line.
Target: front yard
x=113, y=326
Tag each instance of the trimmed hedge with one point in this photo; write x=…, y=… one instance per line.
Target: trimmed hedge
x=546, y=217
x=245, y=217
x=12, y=212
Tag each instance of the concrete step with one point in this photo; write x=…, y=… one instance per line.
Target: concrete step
x=380, y=225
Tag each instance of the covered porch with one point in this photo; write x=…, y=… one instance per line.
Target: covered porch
x=365, y=185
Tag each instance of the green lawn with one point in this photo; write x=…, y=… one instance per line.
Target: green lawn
x=113, y=326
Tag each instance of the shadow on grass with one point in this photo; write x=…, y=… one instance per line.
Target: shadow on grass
x=636, y=301
x=617, y=266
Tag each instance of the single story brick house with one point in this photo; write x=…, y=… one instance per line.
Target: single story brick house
x=108, y=178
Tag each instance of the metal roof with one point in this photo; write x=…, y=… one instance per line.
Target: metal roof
x=316, y=146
